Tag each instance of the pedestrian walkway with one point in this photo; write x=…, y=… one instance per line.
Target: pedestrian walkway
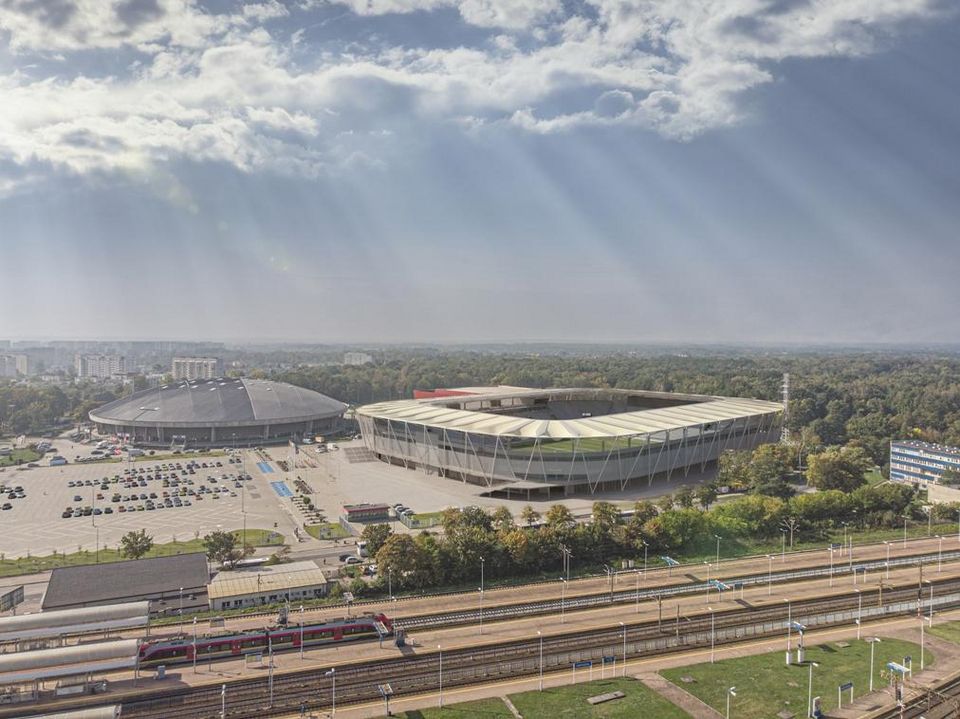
x=675, y=695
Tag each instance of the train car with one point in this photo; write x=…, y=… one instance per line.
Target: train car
x=175, y=651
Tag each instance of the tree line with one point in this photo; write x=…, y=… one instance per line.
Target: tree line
x=678, y=524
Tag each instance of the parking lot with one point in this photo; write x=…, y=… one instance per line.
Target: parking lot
x=76, y=506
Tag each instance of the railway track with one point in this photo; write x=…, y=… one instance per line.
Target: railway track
x=606, y=598
x=356, y=682
x=938, y=702
x=689, y=567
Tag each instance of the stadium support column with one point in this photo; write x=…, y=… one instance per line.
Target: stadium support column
x=213, y=435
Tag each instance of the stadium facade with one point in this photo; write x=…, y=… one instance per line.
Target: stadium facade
x=517, y=440
x=219, y=412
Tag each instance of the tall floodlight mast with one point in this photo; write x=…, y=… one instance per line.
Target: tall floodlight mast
x=785, y=430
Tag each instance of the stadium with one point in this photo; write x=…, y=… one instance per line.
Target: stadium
x=521, y=441
x=219, y=412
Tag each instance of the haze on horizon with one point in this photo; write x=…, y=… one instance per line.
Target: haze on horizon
x=726, y=171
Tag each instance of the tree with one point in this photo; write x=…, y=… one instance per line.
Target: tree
x=529, y=515
x=838, y=468
x=375, y=535
x=134, y=545
x=605, y=516
x=404, y=560
x=950, y=477
x=502, y=519
x=225, y=549
x=706, y=494
x=559, y=516
x=683, y=497
x=733, y=469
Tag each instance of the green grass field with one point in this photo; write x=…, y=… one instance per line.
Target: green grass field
x=705, y=549
x=89, y=555
x=568, y=702
x=329, y=530
x=766, y=686
x=949, y=631
x=24, y=455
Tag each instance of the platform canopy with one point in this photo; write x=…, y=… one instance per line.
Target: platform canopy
x=72, y=661
x=111, y=711
x=74, y=621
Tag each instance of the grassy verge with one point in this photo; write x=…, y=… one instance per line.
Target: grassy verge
x=705, y=550
x=179, y=457
x=24, y=455
x=330, y=530
x=567, y=702
x=949, y=631
x=260, y=537
x=766, y=686
x=30, y=565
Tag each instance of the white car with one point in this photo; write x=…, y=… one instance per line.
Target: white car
x=352, y=560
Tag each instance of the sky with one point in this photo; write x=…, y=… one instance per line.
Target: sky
x=480, y=170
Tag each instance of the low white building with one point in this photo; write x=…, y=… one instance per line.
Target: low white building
x=294, y=582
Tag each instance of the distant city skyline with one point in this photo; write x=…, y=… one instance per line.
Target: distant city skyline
x=757, y=172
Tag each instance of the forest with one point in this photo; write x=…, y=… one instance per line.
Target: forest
x=865, y=398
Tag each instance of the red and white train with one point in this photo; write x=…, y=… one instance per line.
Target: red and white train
x=175, y=651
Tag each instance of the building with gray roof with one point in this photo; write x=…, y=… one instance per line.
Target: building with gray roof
x=160, y=580
x=219, y=412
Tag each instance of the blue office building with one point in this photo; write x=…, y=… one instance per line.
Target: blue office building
x=921, y=463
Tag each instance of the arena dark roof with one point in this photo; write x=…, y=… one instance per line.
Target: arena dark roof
x=202, y=403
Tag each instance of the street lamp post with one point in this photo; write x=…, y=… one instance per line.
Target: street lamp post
x=873, y=641
x=810, y=689
x=194, y=645
x=441, y=675
x=789, y=627
x=831, y=566
x=481, y=610
x=540, y=636
x=301, y=632
x=940, y=556
x=888, y=559
x=623, y=628
x=563, y=594
x=904, y=532
x=713, y=633
x=731, y=692
x=636, y=596
x=769, y=574
x=180, y=625
x=223, y=701
x=783, y=545
x=921, y=644
x=333, y=693
x=717, y=537
x=859, y=610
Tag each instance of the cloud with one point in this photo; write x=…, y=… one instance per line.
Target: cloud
x=246, y=87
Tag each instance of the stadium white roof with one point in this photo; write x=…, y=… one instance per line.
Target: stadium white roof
x=702, y=410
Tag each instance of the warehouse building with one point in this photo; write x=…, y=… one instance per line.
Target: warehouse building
x=168, y=583
x=294, y=582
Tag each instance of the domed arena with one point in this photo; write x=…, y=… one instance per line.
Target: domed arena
x=220, y=412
